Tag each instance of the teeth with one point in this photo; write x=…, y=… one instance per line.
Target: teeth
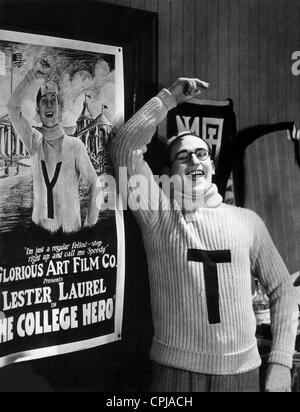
x=197, y=173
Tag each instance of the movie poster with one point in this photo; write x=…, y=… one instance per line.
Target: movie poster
x=62, y=257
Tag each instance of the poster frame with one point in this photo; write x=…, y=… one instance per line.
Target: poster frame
x=32, y=39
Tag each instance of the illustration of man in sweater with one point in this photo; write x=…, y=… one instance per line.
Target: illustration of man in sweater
x=201, y=257
x=58, y=161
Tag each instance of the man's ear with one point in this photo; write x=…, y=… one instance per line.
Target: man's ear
x=60, y=115
x=60, y=109
x=214, y=167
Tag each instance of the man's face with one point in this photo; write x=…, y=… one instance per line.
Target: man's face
x=188, y=167
x=49, y=110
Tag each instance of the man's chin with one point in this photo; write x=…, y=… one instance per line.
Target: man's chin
x=50, y=125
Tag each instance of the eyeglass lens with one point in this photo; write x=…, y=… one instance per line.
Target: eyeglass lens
x=185, y=156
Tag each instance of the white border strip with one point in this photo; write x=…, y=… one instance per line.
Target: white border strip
x=121, y=268
x=60, y=42
x=56, y=350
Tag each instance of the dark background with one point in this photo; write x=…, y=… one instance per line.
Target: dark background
x=124, y=365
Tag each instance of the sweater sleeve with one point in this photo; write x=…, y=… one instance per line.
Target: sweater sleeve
x=21, y=125
x=128, y=148
x=278, y=283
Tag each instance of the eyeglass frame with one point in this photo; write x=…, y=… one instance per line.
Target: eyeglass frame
x=208, y=154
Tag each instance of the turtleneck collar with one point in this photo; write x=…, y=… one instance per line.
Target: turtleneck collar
x=53, y=133
x=199, y=200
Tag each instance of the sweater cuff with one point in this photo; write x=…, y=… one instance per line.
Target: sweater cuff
x=282, y=358
x=168, y=100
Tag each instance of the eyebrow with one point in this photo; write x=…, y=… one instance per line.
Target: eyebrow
x=50, y=94
x=192, y=151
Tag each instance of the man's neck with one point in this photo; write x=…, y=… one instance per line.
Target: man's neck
x=198, y=199
x=50, y=127
x=52, y=133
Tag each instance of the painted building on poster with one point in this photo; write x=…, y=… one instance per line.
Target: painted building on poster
x=10, y=144
x=94, y=133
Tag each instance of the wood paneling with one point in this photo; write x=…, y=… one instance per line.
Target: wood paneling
x=188, y=49
x=243, y=48
x=200, y=40
x=223, y=65
x=234, y=53
x=164, y=60
x=176, y=43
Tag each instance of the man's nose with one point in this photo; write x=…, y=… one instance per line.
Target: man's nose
x=194, y=159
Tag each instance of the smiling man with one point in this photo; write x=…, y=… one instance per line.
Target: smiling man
x=191, y=169
x=201, y=255
x=58, y=160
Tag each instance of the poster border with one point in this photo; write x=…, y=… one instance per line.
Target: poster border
x=61, y=42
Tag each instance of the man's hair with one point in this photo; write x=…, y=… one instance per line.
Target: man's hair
x=42, y=92
x=180, y=135
x=38, y=97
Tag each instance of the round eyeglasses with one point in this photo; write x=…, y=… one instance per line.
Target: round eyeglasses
x=184, y=156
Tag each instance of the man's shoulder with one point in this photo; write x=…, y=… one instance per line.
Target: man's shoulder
x=242, y=212
x=74, y=142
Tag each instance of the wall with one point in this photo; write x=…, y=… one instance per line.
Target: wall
x=243, y=49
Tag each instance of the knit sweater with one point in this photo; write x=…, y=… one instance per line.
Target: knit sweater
x=200, y=268
x=58, y=163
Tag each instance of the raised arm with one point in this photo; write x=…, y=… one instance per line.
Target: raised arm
x=129, y=146
x=22, y=127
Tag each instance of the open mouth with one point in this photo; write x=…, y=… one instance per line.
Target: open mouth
x=196, y=174
x=49, y=115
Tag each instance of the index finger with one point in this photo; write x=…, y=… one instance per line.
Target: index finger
x=201, y=84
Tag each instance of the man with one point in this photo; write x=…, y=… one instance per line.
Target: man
x=201, y=257
x=58, y=161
